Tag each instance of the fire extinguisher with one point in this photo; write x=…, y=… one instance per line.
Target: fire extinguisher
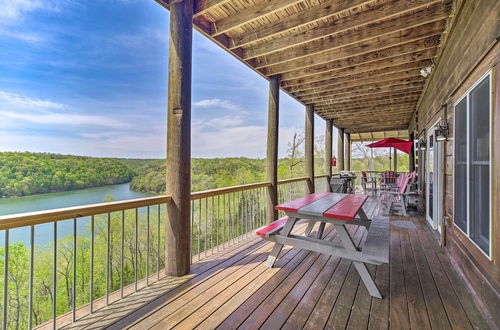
x=334, y=161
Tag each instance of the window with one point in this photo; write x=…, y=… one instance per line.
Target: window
x=472, y=148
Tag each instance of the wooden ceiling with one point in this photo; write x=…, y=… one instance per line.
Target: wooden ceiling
x=357, y=61
x=376, y=136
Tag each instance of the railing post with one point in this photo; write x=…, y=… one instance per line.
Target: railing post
x=340, y=149
x=272, y=147
x=411, y=158
x=395, y=159
x=348, y=151
x=309, y=147
x=179, y=138
x=328, y=151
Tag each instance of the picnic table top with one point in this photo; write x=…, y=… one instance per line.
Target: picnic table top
x=326, y=204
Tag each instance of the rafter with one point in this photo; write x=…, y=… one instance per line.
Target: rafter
x=389, y=94
x=247, y=15
x=370, y=100
x=295, y=84
x=296, y=21
x=382, y=108
x=329, y=72
x=343, y=29
x=276, y=54
x=361, y=91
x=370, y=105
x=355, y=80
x=389, y=46
x=358, y=86
x=203, y=6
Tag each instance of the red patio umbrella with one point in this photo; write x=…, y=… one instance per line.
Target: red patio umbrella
x=403, y=145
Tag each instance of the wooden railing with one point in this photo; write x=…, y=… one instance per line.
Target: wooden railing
x=100, y=253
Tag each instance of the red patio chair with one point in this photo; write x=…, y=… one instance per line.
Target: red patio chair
x=392, y=198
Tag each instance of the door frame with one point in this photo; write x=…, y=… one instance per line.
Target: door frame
x=437, y=186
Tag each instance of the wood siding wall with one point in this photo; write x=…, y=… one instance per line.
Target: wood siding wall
x=470, y=51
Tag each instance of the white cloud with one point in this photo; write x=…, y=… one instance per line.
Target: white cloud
x=24, y=101
x=216, y=103
x=13, y=10
x=67, y=119
x=146, y=146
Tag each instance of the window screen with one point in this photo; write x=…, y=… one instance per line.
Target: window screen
x=479, y=122
x=460, y=213
x=472, y=164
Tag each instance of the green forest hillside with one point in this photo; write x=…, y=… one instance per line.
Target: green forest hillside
x=26, y=173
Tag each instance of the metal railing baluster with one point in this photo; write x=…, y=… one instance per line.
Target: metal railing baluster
x=92, y=230
x=217, y=221
x=192, y=231
x=199, y=229
x=108, y=256
x=32, y=270
x=73, y=303
x=136, y=229
x=5, y=280
x=212, y=226
x=122, y=257
x=147, y=249
x=158, y=247
x=206, y=226
x=54, y=281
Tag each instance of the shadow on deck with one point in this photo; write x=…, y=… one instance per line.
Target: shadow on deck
x=234, y=288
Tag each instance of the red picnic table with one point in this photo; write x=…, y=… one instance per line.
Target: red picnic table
x=338, y=210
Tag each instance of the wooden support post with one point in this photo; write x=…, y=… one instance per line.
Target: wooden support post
x=411, y=158
x=348, y=150
x=328, y=151
x=272, y=147
x=309, y=147
x=340, y=149
x=395, y=159
x=177, y=236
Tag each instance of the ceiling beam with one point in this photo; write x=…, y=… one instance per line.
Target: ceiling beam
x=355, y=80
x=360, y=91
x=347, y=29
x=385, y=47
x=369, y=105
x=276, y=54
x=373, y=100
x=295, y=84
x=297, y=20
x=358, y=85
x=247, y=15
x=329, y=72
x=388, y=94
x=202, y=7
x=375, y=110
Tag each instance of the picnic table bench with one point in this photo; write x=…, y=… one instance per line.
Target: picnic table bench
x=338, y=210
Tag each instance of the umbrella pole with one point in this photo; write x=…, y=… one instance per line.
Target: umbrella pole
x=390, y=159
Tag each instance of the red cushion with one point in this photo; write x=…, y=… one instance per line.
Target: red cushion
x=277, y=223
x=296, y=204
x=347, y=208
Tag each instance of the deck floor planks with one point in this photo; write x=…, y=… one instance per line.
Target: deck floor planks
x=436, y=311
x=379, y=310
x=456, y=314
x=269, y=301
x=398, y=298
x=416, y=305
x=299, y=316
x=179, y=302
x=234, y=289
x=321, y=312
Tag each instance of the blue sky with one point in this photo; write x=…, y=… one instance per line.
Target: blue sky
x=90, y=78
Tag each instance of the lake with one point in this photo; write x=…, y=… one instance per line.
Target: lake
x=44, y=232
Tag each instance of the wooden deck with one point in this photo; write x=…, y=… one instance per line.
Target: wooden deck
x=234, y=289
